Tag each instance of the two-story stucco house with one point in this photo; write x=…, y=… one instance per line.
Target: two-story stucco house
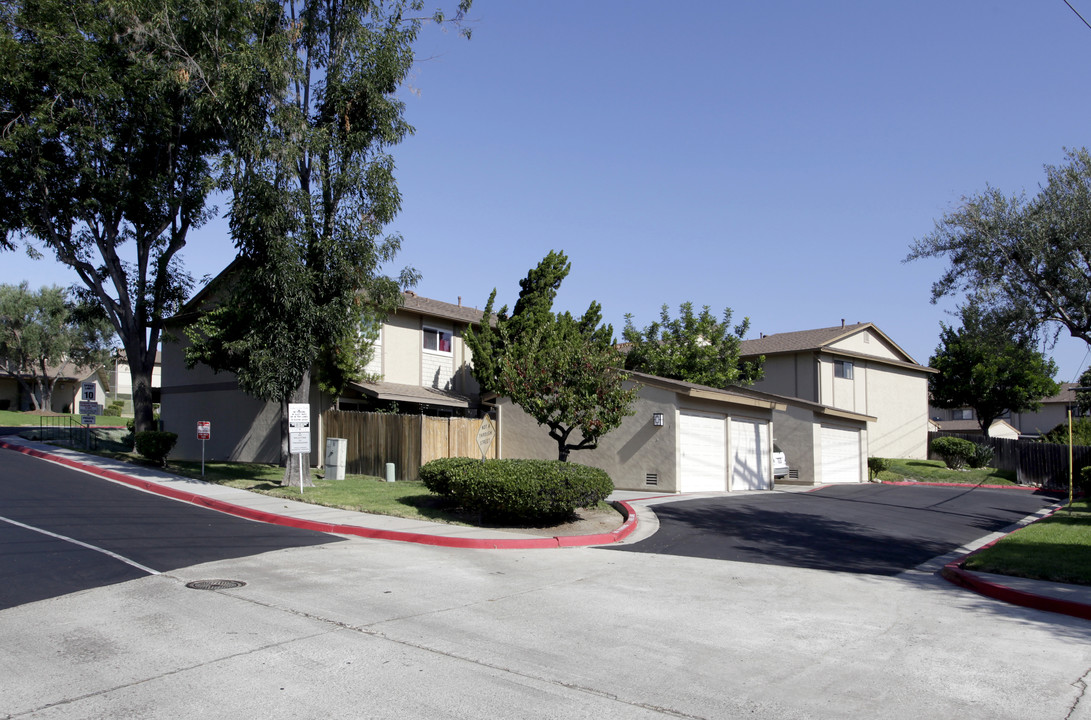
x=856, y=368
x=420, y=356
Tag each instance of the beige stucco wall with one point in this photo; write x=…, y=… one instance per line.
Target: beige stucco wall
x=244, y=429
x=402, y=345
x=791, y=375
x=899, y=402
x=1036, y=423
x=794, y=435
x=867, y=343
x=628, y=454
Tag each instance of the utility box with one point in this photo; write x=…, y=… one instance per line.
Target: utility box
x=336, y=450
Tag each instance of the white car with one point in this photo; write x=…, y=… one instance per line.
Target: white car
x=780, y=463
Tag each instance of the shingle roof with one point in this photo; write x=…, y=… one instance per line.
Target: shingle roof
x=438, y=308
x=1066, y=395
x=798, y=341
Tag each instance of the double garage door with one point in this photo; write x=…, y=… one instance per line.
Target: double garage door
x=841, y=458
x=715, y=450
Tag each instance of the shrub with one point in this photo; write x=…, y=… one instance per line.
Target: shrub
x=876, y=465
x=1083, y=481
x=1081, y=433
x=981, y=456
x=526, y=491
x=436, y=474
x=955, y=452
x=114, y=409
x=155, y=445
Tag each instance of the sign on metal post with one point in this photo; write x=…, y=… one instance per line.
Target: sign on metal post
x=485, y=436
x=204, y=432
x=299, y=434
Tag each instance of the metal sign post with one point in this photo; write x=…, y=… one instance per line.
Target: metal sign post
x=204, y=432
x=299, y=434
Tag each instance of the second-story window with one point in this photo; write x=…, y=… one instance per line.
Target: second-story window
x=842, y=369
x=437, y=340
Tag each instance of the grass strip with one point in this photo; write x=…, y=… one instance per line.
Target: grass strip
x=936, y=471
x=1057, y=548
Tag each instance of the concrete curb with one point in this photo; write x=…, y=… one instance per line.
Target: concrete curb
x=617, y=535
x=954, y=572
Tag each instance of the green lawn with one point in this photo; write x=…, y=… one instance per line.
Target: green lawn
x=936, y=471
x=10, y=418
x=1057, y=548
x=362, y=493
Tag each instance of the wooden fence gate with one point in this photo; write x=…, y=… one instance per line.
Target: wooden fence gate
x=408, y=441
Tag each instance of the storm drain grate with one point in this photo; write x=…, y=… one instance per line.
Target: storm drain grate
x=215, y=584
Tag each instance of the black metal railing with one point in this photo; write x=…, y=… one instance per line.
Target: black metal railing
x=67, y=430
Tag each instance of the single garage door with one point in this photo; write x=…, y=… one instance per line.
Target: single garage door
x=702, y=443
x=840, y=455
x=750, y=455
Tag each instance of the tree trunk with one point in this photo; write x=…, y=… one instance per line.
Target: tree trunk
x=141, y=364
x=295, y=463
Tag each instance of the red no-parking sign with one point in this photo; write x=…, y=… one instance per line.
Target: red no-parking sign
x=204, y=430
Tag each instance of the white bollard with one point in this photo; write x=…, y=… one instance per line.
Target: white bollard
x=390, y=472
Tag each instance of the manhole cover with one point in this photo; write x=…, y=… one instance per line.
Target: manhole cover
x=214, y=584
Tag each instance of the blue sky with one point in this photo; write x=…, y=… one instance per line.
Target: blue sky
x=777, y=158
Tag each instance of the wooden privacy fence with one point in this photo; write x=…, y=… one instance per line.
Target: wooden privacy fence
x=408, y=441
x=1034, y=463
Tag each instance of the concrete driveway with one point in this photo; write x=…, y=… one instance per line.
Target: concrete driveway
x=873, y=529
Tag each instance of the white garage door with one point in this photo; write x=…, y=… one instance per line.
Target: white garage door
x=702, y=444
x=840, y=455
x=750, y=455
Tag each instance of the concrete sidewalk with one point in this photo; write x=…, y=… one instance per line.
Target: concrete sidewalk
x=1074, y=600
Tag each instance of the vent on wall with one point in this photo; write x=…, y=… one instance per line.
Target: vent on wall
x=793, y=474
x=651, y=479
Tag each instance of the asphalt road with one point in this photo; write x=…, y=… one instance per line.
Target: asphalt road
x=62, y=531
x=873, y=529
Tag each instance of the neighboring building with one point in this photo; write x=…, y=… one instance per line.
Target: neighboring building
x=685, y=437
x=66, y=392
x=1000, y=428
x=854, y=368
x=420, y=355
x=1053, y=412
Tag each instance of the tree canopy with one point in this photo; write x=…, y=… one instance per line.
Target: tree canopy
x=561, y=370
x=983, y=367
x=44, y=335
x=112, y=116
x=1028, y=258
x=312, y=189
x=695, y=348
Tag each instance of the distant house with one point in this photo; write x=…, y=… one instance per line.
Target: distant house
x=66, y=392
x=1053, y=412
x=420, y=356
x=1000, y=428
x=855, y=368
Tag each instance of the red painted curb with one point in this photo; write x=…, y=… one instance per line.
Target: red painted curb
x=621, y=533
x=954, y=572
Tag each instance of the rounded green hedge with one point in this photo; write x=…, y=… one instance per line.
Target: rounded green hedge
x=155, y=444
x=518, y=490
x=955, y=452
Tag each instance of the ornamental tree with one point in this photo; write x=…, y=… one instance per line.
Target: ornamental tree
x=695, y=348
x=313, y=187
x=1029, y=258
x=561, y=370
x=981, y=366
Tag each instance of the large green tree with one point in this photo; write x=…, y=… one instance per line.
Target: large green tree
x=562, y=370
x=697, y=348
x=43, y=335
x=982, y=366
x=1029, y=258
x=313, y=187
x=112, y=116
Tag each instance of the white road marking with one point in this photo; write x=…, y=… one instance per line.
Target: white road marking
x=114, y=555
